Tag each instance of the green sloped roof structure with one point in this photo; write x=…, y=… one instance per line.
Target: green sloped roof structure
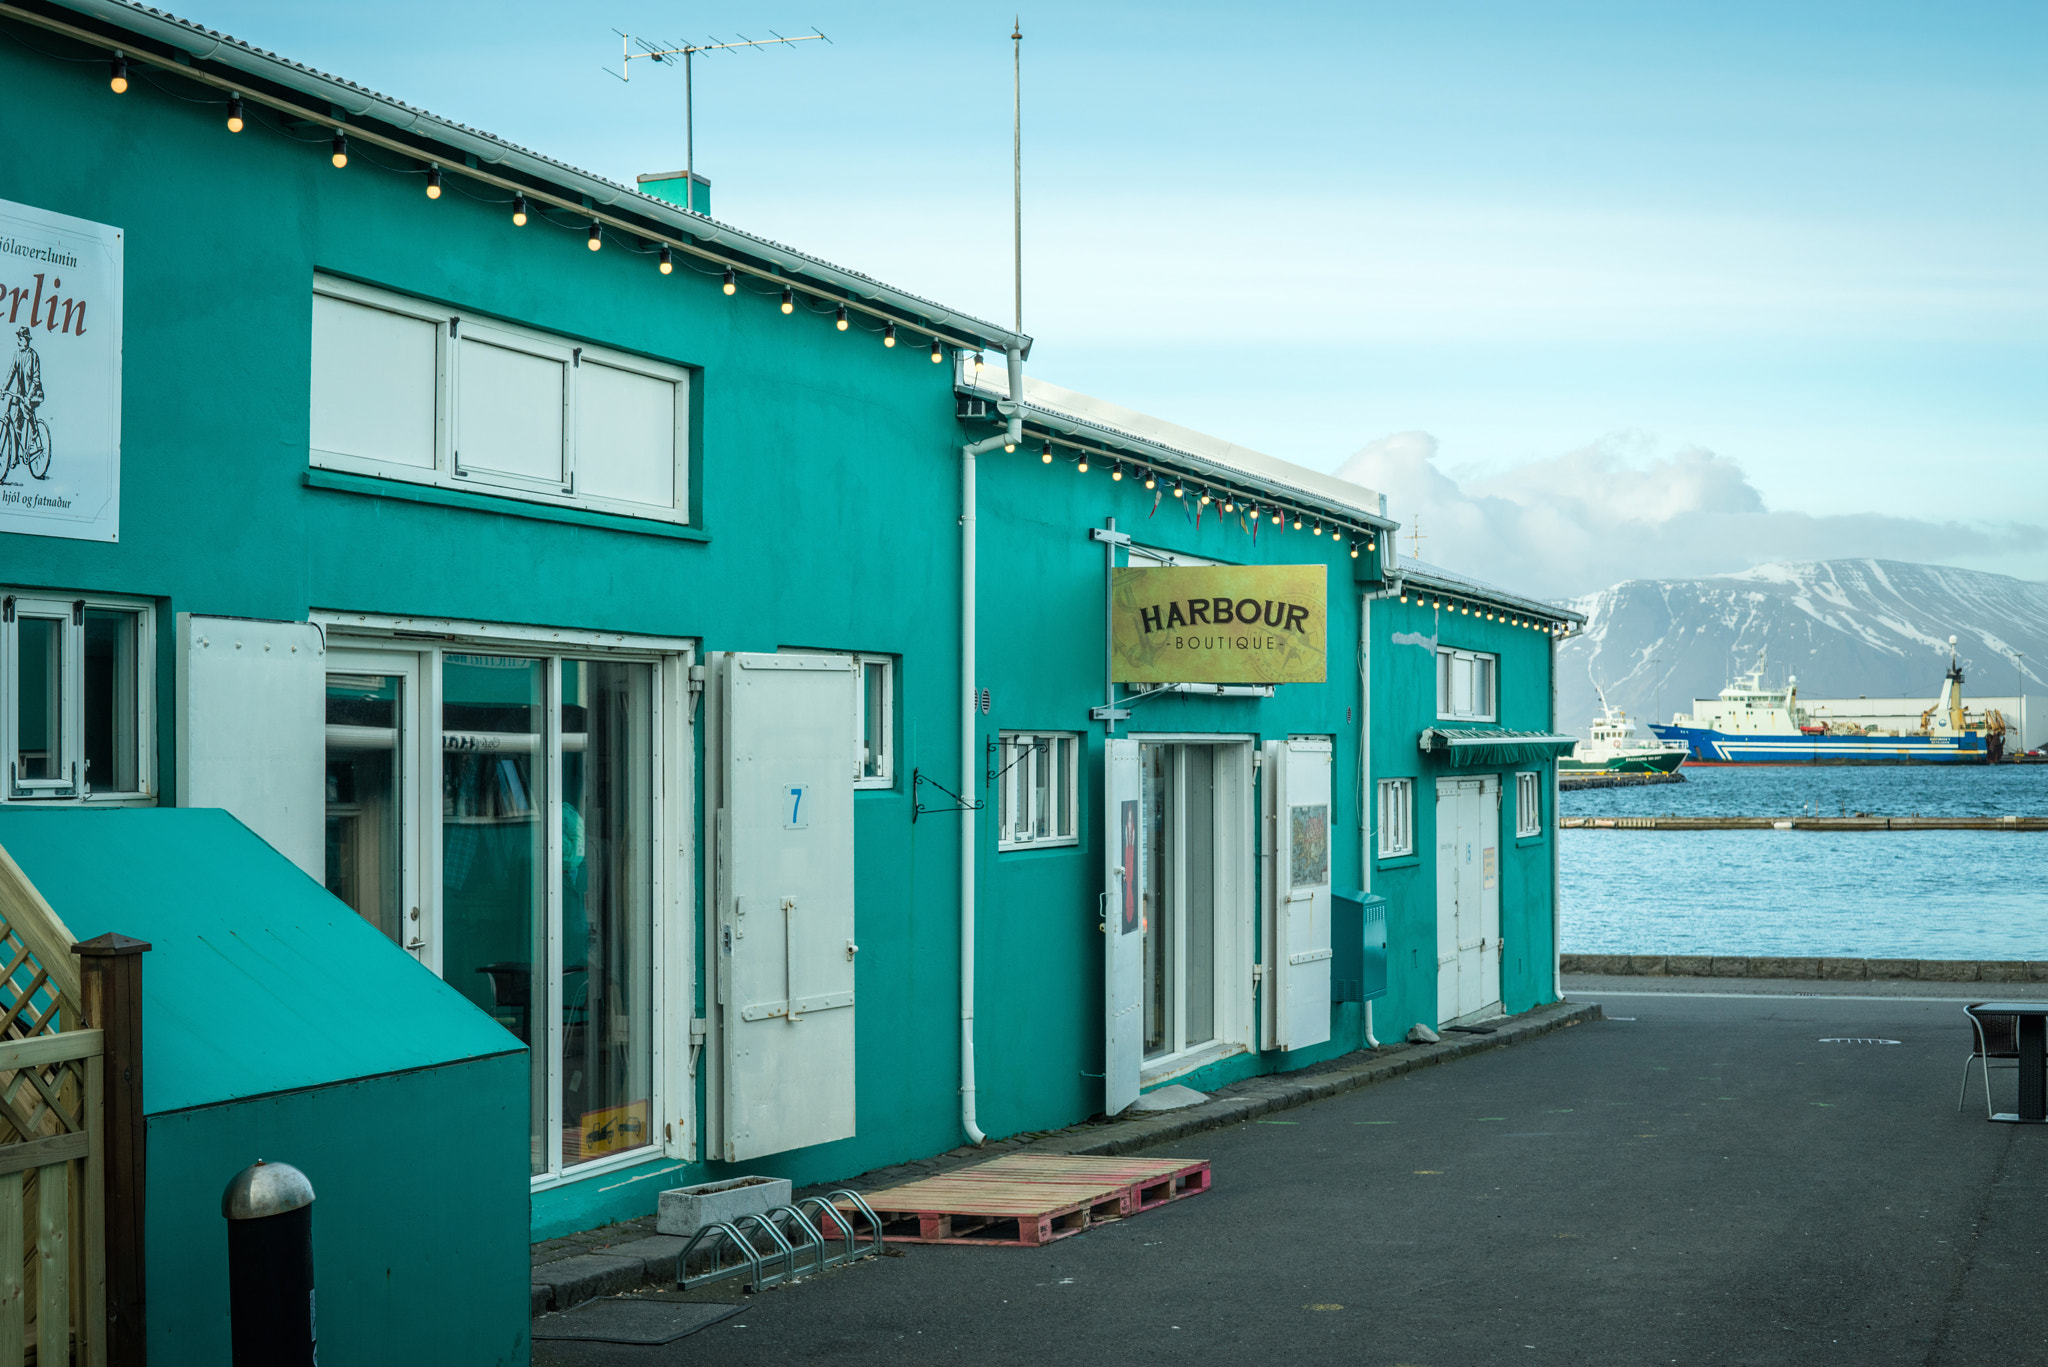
x=259, y=981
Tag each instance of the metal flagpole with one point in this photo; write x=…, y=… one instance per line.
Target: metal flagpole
x=1017, y=157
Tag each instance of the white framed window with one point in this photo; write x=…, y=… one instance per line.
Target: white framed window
x=499, y=804
x=1037, y=786
x=405, y=389
x=1528, y=804
x=1466, y=684
x=77, y=693
x=874, y=722
x=1397, y=817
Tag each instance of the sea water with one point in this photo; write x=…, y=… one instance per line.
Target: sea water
x=1861, y=894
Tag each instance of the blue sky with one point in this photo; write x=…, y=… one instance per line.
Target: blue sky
x=1800, y=243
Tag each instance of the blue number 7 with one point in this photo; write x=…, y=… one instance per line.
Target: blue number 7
x=798, y=794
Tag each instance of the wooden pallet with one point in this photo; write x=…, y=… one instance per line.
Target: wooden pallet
x=1025, y=1200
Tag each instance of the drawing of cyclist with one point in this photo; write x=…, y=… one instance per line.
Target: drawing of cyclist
x=23, y=390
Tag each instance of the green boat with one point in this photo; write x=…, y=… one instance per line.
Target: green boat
x=1614, y=749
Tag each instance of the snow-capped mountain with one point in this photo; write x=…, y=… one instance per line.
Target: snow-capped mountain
x=1845, y=628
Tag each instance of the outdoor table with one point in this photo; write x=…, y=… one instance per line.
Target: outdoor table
x=2033, y=1049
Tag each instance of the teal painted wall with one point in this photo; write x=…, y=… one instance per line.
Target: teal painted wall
x=1039, y=994
x=419, y=1217
x=1404, y=703
x=828, y=468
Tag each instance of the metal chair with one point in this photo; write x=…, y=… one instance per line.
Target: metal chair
x=1994, y=1037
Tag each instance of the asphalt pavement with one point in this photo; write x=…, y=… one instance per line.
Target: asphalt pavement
x=1698, y=1179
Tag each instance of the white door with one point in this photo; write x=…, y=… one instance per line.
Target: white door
x=251, y=715
x=786, y=934
x=1123, y=928
x=380, y=778
x=1468, y=897
x=1298, y=928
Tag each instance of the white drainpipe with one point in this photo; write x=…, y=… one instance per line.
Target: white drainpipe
x=969, y=756
x=1556, y=904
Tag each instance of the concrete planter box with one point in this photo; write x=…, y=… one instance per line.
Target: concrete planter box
x=685, y=1210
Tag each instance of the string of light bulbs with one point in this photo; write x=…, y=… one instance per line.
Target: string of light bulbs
x=598, y=223
x=1204, y=491
x=1471, y=607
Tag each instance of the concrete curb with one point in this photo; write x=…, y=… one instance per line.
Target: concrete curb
x=567, y=1272
x=1831, y=970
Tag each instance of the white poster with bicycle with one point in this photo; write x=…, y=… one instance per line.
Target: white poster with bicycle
x=60, y=375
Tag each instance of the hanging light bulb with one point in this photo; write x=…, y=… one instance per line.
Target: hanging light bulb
x=731, y=283
x=1179, y=489
x=434, y=185
x=234, y=113
x=340, y=155
x=1437, y=605
x=839, y=318
x=118, y=80
x=1354, y=550
x=1081, y=467
x=1151, y=480
x=596, y=235
x=1337, y=540
x=1276, y=517
x=1045, y=454
x=1230, y=505
x=977, y=367
x=668, y=262
x=1404, y=600
x=938, y=353
x=1319, y=526
x=889, y=335
x=519, y=211
x=1205, y=496
x=1297, y=522
x=1009, y=445
x=1255, y=514
x=1371, y=545
x=1116, y=472
x=788, y=299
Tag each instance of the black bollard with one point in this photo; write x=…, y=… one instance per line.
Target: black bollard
x=269, y=1209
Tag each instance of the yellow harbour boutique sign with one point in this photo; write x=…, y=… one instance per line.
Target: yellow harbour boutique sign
x=1257, y=624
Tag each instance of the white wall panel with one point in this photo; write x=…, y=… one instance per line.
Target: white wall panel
x=251, y=721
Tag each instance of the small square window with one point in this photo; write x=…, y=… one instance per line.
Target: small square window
x=1528, y=804
x=1037, y=786
x=1465, y=684
x=1397, y=817
x=75, y=676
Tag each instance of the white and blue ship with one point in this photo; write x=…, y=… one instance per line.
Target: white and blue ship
x=1754, y=724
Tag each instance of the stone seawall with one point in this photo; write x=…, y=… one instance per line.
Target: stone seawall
x=1835, y=970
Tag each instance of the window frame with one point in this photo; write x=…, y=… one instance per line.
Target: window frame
x=448, y=471
x=367, y=640
x=1447, y=660
x=1396, y=800
x=1015, y=783
x=1528, y=803
x=887, y=777
x=70, y=608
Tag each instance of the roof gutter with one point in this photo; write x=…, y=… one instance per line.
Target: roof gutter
x=489, y=151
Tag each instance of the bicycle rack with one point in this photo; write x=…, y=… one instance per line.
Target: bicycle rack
x=808, y=1219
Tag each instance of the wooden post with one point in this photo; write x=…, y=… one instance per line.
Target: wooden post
x=111, y=982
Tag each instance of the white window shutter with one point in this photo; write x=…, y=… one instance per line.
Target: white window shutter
x=251, y=710
x=1123, y=927
x=1299, y=859
x=374, y=383
x=626, y=435
x=786, y=942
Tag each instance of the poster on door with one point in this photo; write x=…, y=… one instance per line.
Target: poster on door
x=1308, y=846
x=60, y=375
x=1130, y=861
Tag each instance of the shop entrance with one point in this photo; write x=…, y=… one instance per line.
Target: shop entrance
x=1179, y=929
x=1467, y=898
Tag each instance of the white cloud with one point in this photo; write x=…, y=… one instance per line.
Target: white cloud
x=1618, y=509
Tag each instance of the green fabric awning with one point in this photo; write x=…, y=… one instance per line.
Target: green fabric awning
x=1474, y=748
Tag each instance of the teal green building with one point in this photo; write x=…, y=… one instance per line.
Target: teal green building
x=697, y=655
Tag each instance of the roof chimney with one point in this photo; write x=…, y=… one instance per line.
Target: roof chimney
x=669, y=185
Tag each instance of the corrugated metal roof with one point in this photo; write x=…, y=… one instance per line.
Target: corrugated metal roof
x=1451, y=581
x=205, y=44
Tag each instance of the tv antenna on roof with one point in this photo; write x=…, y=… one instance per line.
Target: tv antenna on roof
x=1416, y=536
x=666, y=53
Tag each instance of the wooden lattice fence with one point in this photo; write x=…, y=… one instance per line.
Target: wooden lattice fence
x=52, y=1180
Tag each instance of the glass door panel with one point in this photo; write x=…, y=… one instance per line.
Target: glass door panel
x=39, y=756
x=607, y=1076
x=112, y=749
x=1156, y=797
x=494, y=836
x=1197, y=916
x=365, y=806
